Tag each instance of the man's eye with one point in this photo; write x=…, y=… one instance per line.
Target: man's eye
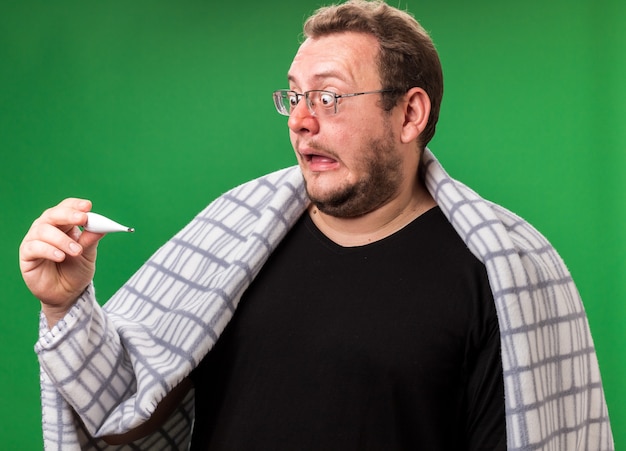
x=293, y=100
x=327, y=99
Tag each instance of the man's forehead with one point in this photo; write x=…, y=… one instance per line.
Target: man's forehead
x=343, y=56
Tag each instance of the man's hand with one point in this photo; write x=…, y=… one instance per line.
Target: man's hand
x=57, y=259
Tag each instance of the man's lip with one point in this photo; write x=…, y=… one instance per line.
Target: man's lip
x=309, y=154
x=316, y=159
x=316, y=156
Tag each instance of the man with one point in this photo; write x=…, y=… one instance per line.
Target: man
x=364, y=318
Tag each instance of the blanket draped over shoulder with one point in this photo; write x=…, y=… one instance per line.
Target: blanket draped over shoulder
x=104, y=370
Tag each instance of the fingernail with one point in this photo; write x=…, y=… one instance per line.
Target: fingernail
x=75, y=248
x=58, y=254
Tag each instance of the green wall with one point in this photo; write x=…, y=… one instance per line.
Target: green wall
x=153, y=108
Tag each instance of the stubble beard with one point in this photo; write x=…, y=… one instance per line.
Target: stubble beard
x=380, y=182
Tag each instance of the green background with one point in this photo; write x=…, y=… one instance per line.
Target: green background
x=153, y=108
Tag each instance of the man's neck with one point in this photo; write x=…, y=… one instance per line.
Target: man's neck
x=375, y=225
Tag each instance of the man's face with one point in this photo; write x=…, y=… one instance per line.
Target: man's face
x=350, y=160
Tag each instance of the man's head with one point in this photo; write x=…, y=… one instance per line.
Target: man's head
x=359, y=151
x=407, y=56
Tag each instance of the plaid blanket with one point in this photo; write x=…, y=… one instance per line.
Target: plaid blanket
x=104, y=370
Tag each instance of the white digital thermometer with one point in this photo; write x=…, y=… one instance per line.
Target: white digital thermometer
x=101, y=224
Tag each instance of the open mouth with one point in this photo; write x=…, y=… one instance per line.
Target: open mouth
x=319, y=159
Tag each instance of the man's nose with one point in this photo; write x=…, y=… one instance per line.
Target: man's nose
x=302, y=120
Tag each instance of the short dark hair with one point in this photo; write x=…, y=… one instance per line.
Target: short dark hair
x=407, y=56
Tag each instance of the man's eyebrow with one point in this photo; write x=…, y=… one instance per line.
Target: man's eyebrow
x=320, y=76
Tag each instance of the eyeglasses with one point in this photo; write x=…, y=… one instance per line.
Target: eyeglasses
x=319, y=102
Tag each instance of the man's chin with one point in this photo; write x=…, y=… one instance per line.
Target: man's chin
x=339, y=203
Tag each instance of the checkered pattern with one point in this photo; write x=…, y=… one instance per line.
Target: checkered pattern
x=553, y=390
x=111, y=366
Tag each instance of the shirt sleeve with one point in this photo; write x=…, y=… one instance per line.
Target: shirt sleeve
x=486, y=416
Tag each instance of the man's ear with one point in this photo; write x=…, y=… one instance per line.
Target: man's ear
x=416, y=113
